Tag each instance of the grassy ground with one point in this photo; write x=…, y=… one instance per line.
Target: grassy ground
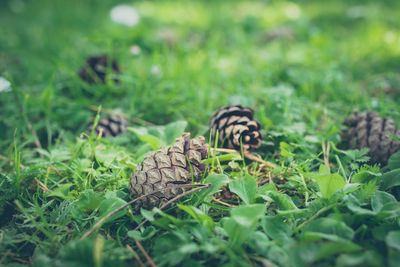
x=302, y=66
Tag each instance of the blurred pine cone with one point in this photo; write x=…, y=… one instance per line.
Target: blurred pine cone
x=369, y=130
x=169, y=168
x=95, y=69
x=235, y=126
x=112, y=125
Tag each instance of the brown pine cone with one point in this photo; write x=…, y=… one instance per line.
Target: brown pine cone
x=96, y=67
x=113, y=125
x=235, y=127
x=169, y=168
x=369, y=130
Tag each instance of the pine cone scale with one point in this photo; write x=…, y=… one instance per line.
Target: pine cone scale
x=369, y=130
x=235, y=127
x=161, y=172
x=111, y=126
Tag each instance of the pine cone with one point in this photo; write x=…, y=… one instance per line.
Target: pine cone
x=96, y=67
x=369, y=130
x=113, y=125
x=235, y=126
x=169, y=168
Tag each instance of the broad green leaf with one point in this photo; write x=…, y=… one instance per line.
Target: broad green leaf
x=330, y=226
x=265, y=188
x=390, y=179
x=148, y=214
x=394, y=161
x=217, y=181
x=381, y=199
x=165, y=219
x=198, y=215
x=245, y=187
x=242, y=222
x=286, y=150
x=248, y=215
x=88, y=201
x=147, y=233
x=107, y=155
x=142, y=133
x=393, y=243
x=174, y=130
x=110, y=204
x=314, y=247
x=62, y=191
x=365, y=175
x=323, y=169
x=363, y=258
x=158, y=136
x=259, y=242
x=329, y=183
x=336, y=246
x=276, y=228
x=283, y=201
x=393, y=240
x=355, y=206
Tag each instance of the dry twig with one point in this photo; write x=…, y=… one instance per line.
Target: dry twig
x=146, y=255
x=137, y=258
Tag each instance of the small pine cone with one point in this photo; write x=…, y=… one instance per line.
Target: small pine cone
x=113, y=125
x=169, y=168
x=96, y=67
x=369, y=130
x=235, y=126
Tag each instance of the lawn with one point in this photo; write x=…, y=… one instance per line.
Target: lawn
x=302, y=198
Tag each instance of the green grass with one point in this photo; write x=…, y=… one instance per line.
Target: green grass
x=56, y=183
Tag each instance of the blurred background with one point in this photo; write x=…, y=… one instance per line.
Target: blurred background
x=303, y=64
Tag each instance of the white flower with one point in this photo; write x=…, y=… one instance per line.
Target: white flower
x=5, y=85
x=125, y=15
x=292, y=10
x=156, y=70
x=135, y=50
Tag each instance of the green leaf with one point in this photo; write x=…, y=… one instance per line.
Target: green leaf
x=355, y=206
x=217, y=181
x=245, y=187
x=283, y=201
x=242, y=222
x=265, y=188
x=198, y=215
x=110, y=204
x=330, y=226
x=380, y=200
x=222, y=158
x=248, y=215
x=88, y=201
x=286, y=150
x=363, y=258
x=158, y=136
x=276, y=228
x=143, y=135
x=147, y=233
x=394, y=161
x=393, y=240
x=390, y=179
x=365, y=175
x=329, y=183
x=62, y=191
x=335, y=246
x=174, y=130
